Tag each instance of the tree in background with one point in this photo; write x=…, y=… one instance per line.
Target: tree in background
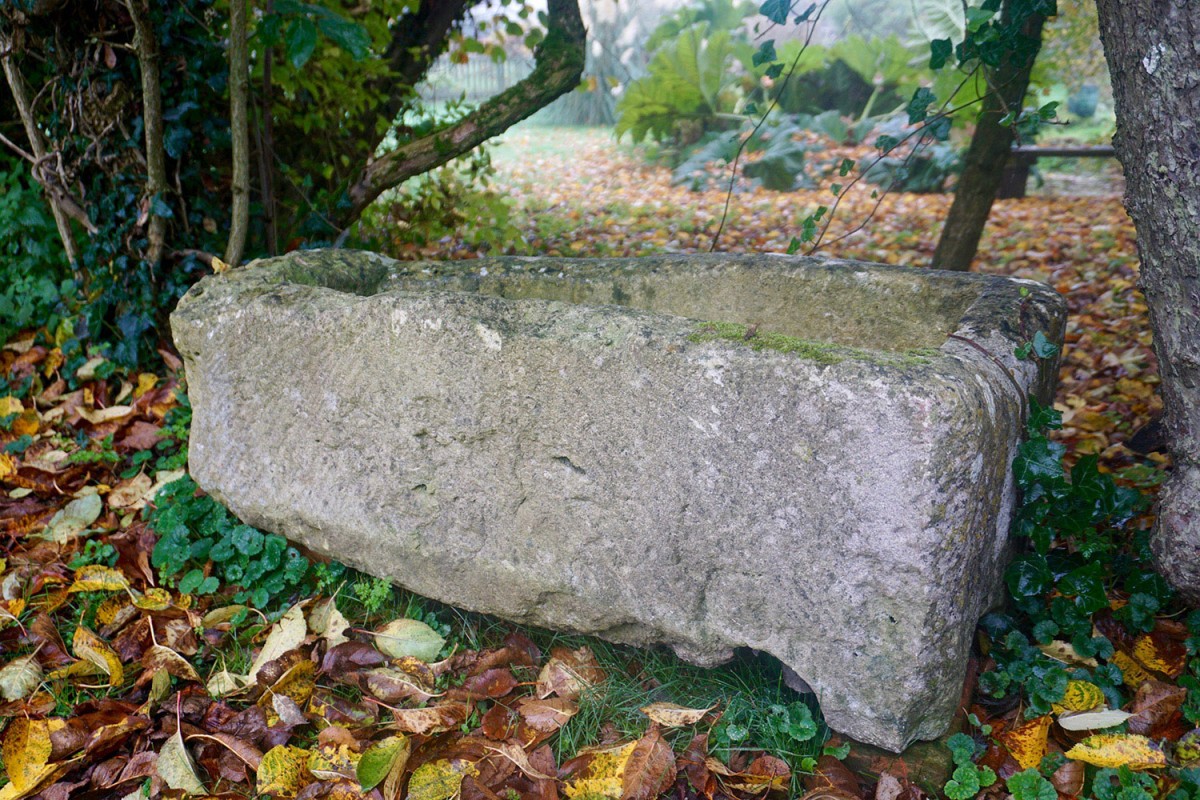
x=1152, y=54
x=125, y=110
x=1008, y=57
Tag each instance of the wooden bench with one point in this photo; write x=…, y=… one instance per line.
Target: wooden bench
x=1016, y=172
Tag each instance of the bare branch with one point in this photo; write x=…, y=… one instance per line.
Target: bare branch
x=146, y=45
x=239, y=90
x=560, y=61
x=20, y=92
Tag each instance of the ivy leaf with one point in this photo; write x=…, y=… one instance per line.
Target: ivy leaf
x=776, y=10
x=940, y=51
x=918, y=106
x=765, y=53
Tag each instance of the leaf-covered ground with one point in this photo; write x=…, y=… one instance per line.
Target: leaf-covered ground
x=128, y=670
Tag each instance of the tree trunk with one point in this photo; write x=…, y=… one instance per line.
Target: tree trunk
x=1153, y=53
x=239, y=125
x=983, y=167
x=145, y=41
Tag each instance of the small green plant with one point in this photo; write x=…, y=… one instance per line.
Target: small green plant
x=968, y=777
x=1032, y=785
x=373, y=593
x=203, y=548
x=95, y=552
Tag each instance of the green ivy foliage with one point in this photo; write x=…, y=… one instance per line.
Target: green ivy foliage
x=33, y=274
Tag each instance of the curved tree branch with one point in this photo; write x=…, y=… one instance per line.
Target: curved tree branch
x=560, y=60
x=20, y=91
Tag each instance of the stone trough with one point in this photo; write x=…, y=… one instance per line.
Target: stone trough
x=801, y=456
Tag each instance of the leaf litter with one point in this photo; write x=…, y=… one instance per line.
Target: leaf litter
x=144, y=695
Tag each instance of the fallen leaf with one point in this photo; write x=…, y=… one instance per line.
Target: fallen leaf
x=287, y=634
x=332, y=760
x=159, y=657
x=1027, y=742
x=175, y=765
x=89, y=647
x=1114, y=750
x=431, y=719
x=382, y=760
x=1080, y=696
x=101, y=415
x=73, y=519
x=517, y=755
x=568, y=673
x=1095, y=719
x=20, y=677
x=98, y=578
x=671, y=715
x=329, y=623
x=1154, y=706
x=224, y=683
x=439, y=780
x=409, y=637
x=283, y=771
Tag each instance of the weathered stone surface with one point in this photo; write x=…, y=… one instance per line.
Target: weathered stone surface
x=562, y=442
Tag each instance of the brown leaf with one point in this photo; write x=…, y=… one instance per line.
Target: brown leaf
x=1068, y=779
x=568, y=673
x=1155, y=706
x=351, y=657
x=650, y=770
x=832, y=775
x=432, y=719
x=492, y=684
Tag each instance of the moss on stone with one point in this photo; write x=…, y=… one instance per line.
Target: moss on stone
x=819, y=352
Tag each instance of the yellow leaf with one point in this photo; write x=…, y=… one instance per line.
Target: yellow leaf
x=297, y=683
x=76, y=669
x=673, y=716
x=155, y=599
x=112, y=609
x=1133, y=675
x=1114, y=750
x=10, y=405
x=146, y=382
x=1080, y=696
x=331, y=761
x=26, y=751
x=98, y=578
x=90, y=647
x=603, y=775
x=27, y=424
x=283, y=771
x=1150, y=655
x=10, y=611
x=1027, y=742
x=8, y=467
x=439, y=780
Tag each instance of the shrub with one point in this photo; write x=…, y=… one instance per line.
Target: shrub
x=34, y=275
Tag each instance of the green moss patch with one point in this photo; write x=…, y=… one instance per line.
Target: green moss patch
x=819, y=352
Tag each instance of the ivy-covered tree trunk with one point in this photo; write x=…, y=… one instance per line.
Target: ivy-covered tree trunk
x=983, y=166
x=1153, y=52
